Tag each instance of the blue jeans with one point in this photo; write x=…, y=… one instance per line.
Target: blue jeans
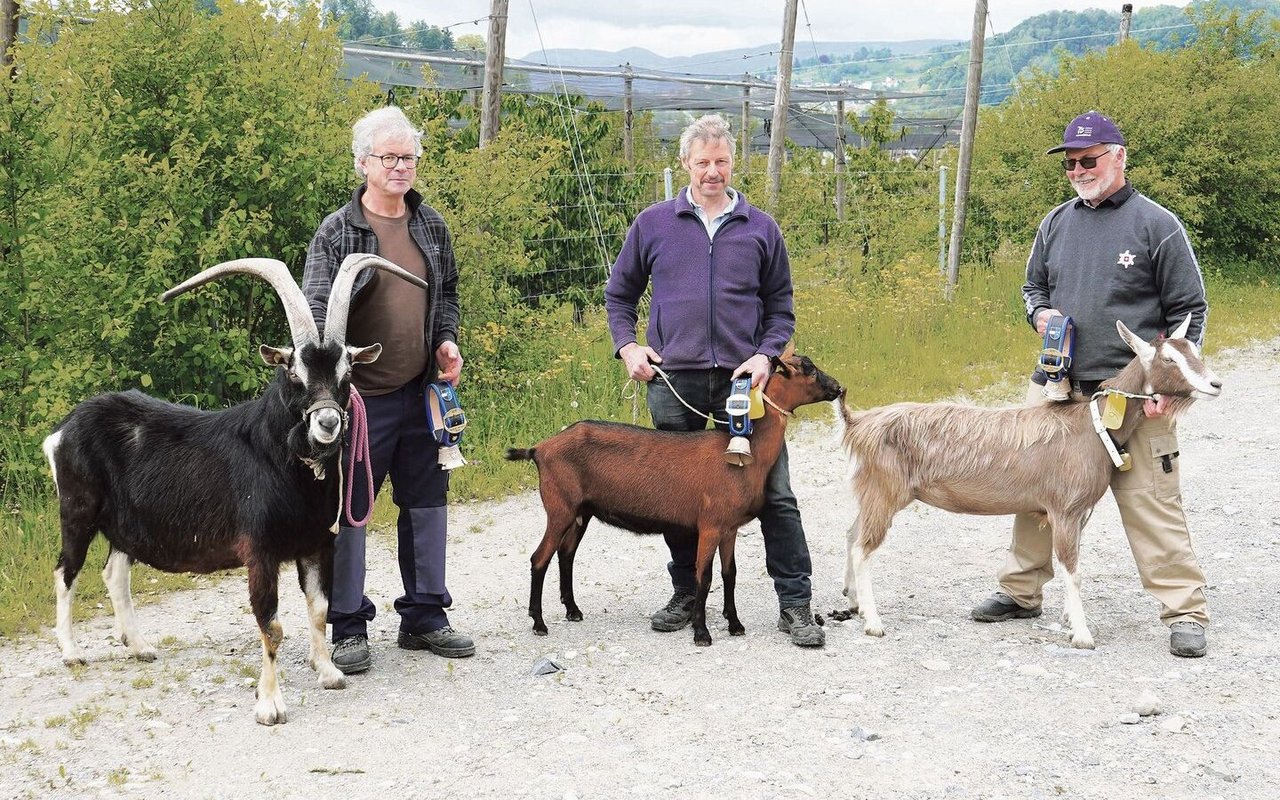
x=785, y=549
x=400, y=446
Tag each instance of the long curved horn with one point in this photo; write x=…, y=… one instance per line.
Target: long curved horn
x=301, y=325
x=335, y=321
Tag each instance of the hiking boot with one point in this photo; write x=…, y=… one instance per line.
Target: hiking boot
x=443, y=642
x=799, y=622
x=677, y=613
x=1186, y=639
x=351, y=654
x=1000, y=607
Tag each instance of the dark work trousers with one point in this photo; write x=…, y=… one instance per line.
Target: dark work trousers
x=400, y=445
x=785, y=549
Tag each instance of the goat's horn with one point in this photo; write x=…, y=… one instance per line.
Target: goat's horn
x=1181, y=332
x=301, y=325
x=335, y=321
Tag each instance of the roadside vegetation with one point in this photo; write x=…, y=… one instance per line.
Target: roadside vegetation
x=162, y=138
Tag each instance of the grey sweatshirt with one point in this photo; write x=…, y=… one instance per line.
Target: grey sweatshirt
x=1129, y=259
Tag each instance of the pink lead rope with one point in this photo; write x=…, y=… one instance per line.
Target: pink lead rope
x=358, y=451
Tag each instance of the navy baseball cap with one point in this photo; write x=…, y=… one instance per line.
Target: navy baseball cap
x=1086, y=130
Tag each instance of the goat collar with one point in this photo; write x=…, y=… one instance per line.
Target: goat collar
x=1122, y=461
x=779, y=408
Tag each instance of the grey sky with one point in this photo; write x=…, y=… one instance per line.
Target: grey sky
x=681, y=28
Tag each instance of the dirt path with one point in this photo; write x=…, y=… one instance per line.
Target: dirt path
x=940, y=707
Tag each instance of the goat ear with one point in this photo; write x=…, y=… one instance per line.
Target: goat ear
x=1140, y=348
x=275, y=356
x=1181, y=332
x=364, y=355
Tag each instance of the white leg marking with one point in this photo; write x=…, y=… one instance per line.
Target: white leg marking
x=851, y=539
x=269, y=709
x=1080, y=636
x=116, y=576
x=318, y=611
x=71, y=654
x=871, y=624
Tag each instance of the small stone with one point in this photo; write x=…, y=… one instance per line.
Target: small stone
x=1173, y=724
x=1130, y=718
x=1147, y=704
x=936, y=665
x=545, y=666
x=863, y=735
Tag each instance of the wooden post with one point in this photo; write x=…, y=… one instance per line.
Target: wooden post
x=628, y=117
x=745, y=132
x=971, y=96
x=8, y=33
x=1126, y=17
x=781, y=100
x=840, y=165
x=495, y=59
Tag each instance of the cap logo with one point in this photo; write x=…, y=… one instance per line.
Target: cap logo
x=1084, y=130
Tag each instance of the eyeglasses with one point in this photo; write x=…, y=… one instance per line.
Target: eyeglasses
x=389, y=161
x=1088, y=162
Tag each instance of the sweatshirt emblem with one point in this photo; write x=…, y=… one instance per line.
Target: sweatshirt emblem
x=1126, y=259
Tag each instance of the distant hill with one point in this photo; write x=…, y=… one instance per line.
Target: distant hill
x=759, y=60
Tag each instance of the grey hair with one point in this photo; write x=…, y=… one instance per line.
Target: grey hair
x=706, y=129
x=378, y=124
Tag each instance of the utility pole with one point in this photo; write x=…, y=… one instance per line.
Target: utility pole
x=781, y=100
x=495, y=58
x=1126, y=17
x=971, y=93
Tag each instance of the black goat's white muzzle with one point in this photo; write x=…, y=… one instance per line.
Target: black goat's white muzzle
x=325, y=421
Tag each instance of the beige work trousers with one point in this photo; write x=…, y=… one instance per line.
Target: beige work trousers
x=1150, y=503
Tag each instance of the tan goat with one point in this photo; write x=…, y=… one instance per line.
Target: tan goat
x=973, y=460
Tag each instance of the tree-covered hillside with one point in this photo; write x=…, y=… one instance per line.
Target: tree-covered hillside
x=1040, y=42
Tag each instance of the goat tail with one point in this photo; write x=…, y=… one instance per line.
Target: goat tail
x=520, y=453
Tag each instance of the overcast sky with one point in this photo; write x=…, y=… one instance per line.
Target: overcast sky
x=682, y=28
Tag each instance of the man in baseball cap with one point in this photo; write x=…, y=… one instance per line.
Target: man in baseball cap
x=1108, y=254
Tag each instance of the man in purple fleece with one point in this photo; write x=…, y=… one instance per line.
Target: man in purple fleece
x=720, y=307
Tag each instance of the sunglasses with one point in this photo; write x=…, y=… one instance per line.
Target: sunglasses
x=1088, y=162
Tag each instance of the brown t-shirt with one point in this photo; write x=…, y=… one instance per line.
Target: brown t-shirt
x=391, y=312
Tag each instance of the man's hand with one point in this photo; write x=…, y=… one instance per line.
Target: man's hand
x=638, y=359
x=759, y=367
x=449, y=362
x=1043, y=316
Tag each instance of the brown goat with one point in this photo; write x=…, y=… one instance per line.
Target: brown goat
x=647, y=481
x=974, y=460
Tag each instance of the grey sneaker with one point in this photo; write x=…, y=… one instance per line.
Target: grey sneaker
x=1000, y=607
x=799, y=622
x=443, y=642
x=351, y=654
x=1186, y=639
x=677, y=613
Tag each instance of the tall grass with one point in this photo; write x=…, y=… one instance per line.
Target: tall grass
x=886, y=337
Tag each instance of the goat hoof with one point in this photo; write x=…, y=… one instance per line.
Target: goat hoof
x=573, y=616
x=873, y=630
x=539, y=630
x=737, y=630
x=147, y=655
x=1082, y=642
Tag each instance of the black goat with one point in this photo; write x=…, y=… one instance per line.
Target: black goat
x=186, y=490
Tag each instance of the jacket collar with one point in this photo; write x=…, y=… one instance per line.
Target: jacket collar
x=685, y=206
x=355, y=212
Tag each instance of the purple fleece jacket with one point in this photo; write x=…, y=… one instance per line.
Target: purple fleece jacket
x=715, y=303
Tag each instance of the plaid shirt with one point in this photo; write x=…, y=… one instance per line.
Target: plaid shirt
x=346, y=231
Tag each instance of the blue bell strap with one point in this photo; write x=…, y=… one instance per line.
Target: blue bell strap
x=738, y=406
x=444, y=413
x=1059, y=348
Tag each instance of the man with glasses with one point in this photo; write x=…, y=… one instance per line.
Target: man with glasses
x=1113, y=254
x=419, y=333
